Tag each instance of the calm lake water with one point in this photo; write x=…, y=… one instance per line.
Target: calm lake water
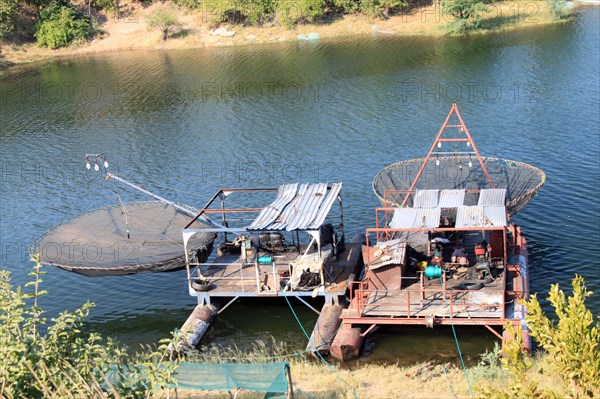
x=186, y=123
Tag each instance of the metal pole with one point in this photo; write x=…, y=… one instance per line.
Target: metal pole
x=151, y=194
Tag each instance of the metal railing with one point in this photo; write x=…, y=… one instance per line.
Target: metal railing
x=404, y=304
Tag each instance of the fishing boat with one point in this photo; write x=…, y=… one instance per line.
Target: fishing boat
x=444, y=250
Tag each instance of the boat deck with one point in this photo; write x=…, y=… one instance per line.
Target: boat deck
x=233, y=277
x=412, y=302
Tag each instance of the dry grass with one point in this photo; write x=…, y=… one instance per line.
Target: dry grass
x=130, y=31
x=313, y=380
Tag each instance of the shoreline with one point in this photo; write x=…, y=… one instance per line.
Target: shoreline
x=130, y=32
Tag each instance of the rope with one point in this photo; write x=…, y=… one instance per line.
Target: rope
x=304, y=392
x=329, y=369
x=462, y=361
x=449, y=383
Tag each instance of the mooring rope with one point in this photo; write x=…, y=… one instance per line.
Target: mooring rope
x=462, y=361
x=331, y=371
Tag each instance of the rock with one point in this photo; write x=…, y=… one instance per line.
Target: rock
x=222, y=32
x=251, y=37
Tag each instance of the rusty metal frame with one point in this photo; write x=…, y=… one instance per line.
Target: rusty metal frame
x=439, y=139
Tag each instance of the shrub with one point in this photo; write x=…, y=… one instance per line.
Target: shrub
x=7, y=12
x=190, y=4
x=464, y=15
x=291, y=12
x=66, y=361
x=61, y=26
x=164, y=21
x=558, y=8
x=381, y=8
x=573, y=344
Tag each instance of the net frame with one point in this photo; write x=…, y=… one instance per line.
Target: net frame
x=169, y=264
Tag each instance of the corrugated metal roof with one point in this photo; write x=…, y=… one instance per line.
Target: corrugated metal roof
x=307, y=207
x=496, y=215
x=393, y=253
x=451, y=198
x=404, y=218
x=481, y=216
x=289, y=210
x=326, y=206
x=469, y=216
x=426, y=199
x=297, y=207
x=416, y=218
x=492, y=197
x=271, y=212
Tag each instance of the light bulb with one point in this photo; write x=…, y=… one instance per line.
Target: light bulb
x=87, y=165
x=437, y=162
x=468, y=143
x=470, y=164
x=96, y=167
x=439, y=144
x=105, y=164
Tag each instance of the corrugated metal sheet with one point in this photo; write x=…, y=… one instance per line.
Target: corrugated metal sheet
x=469, y=216
x=426, y=199
x=270, y=213
x=393, y=253
x=416, y=218
x=289, y=210
x=496, y=215
x=307, y=207
x=452, y=198
x=297, y=207
x=481, y=216
x=326, y=206
x=404, y=218
x=492, y=197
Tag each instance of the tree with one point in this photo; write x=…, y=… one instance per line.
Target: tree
x=62, y=25
x=164, y=21
x=7, y=11
x=464, y=15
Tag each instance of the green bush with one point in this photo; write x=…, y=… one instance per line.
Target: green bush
x=61, y=26
x=574, y=342
x=66, y=361
x=345, y=6
x=190, y=4
x=573, y=345
x=164, y=21
x=463, y=15
x=558, y=8
x=7, y=12
x=291, y=12
x=381, y=8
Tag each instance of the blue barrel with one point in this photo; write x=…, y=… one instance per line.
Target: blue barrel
x=433, y=271
x=265, y=260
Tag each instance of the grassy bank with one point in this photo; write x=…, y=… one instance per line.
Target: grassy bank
x=314, y=380
x=131, y=31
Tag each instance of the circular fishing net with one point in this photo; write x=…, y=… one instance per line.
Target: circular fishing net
x=521, y=180
x=123, y=239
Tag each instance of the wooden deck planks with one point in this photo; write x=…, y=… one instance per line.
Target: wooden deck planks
x=227, y=274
